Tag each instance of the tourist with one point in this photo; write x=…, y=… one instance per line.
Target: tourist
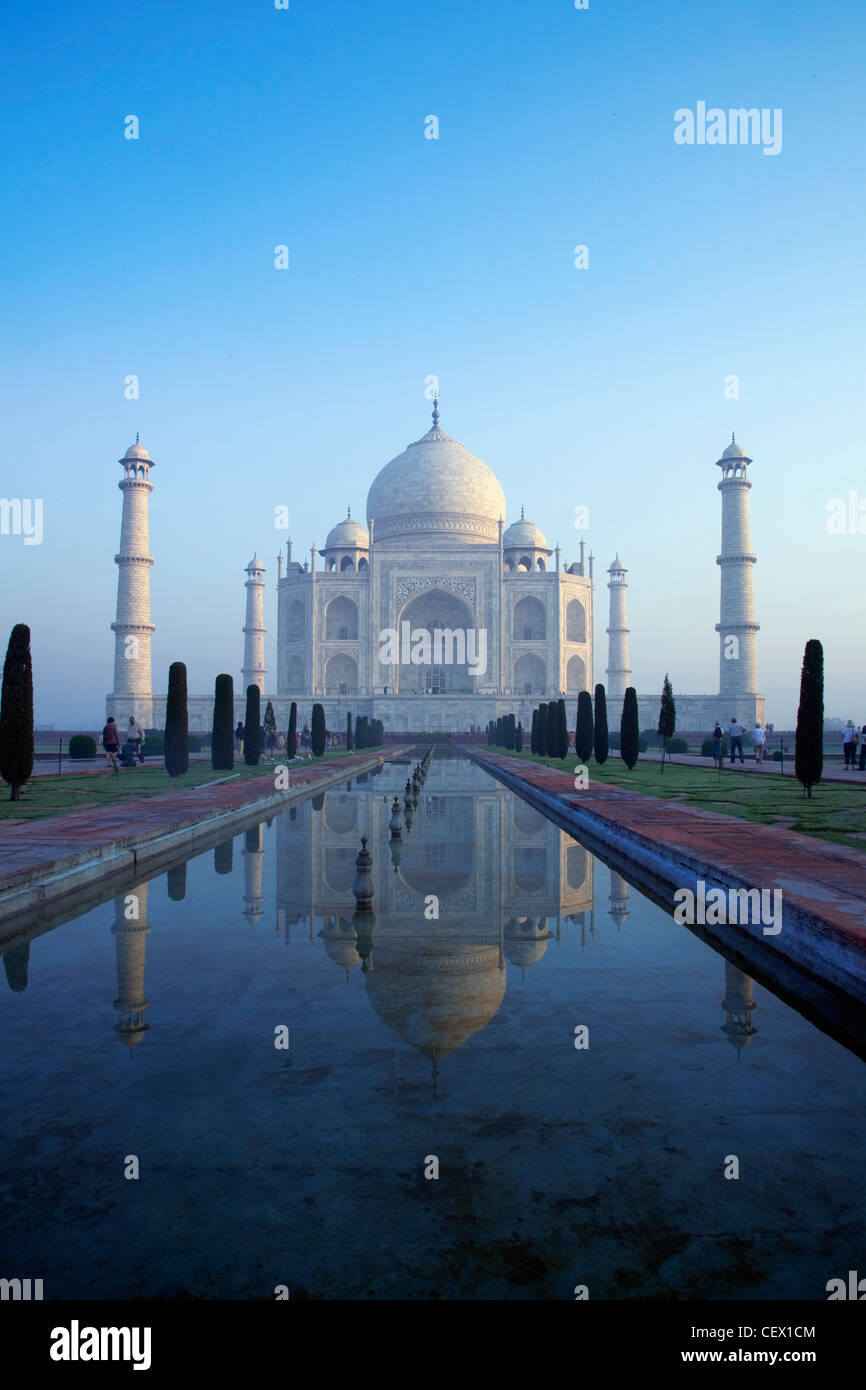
x=110, y=742
x=127, y=753
x=135, y=737
x=735, y=734
x=862, y=764
x=239, y=737
x=849, y=743
x=759, y=738
x=717, y=745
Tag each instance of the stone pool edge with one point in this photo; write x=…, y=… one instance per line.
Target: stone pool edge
x=809, y=940
x=29, y=889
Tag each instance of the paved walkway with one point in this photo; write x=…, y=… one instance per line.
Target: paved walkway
x=833, y=772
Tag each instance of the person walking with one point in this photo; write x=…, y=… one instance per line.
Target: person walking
x=111, y=743
x=735, y=734
x=717, y=745
x=862, y=763
x=239, y=737
x=759, y=738
x=135, y=737
x=849, y=743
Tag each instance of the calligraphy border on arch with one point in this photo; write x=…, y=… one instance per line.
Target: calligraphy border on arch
x=408, y=587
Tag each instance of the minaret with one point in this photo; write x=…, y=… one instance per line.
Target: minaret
x=132, y=626
x=130, y=932
x=618, y=669
x=254, y=630
x=738, y=664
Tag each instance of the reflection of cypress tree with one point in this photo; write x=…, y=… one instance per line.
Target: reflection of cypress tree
x=222, y=857
x=251, y=840
x=584, y=732
x=253, y=727
x=15, y=962
x=222, y=755
x=176, y=881
x=319, y=801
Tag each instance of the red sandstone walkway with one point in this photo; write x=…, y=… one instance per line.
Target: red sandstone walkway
x=824, y=880
x=30, y=850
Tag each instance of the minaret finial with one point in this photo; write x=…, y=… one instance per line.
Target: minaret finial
x=733, y=437
x=522, y=517
x=436, y=411
x=348, y=513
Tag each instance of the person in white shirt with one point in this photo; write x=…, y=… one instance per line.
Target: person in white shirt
x=759, y=738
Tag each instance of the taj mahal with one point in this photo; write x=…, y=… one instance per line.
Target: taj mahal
x=435, y=616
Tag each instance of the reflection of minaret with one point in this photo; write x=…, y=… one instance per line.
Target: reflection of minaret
x=130, y=930
x=618, y=897
x=738, y=1004
x=15, y=962
x=254, y=855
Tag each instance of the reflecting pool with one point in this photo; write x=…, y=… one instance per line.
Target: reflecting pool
x=442, y=1029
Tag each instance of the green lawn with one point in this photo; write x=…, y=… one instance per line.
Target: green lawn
x=57, y=796
x=835, y=812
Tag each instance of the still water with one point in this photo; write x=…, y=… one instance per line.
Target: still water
x=413, y=1038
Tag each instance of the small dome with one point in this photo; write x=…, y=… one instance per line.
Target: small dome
x=256, y=564
x=524, y=535
x=137, y=451
x=617, y=567
x=348, y=535
x=735, y=452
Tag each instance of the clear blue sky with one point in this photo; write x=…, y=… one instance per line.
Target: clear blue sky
x=409, y=257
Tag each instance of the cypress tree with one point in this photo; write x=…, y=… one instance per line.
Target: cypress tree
x=562, y=729
x=222, y=744
x=510, y=732
x=518, y=738
x=541, y=734
x=809, y=739
x=318, y=731
x=253, y=727
x=533, y=732
x=667, y=718
x=552, y=749
x=292, y=736
x=600, y=740
x=269, y=721
x=629, y=729
x=584, y=732
x=16, y=712
x=350, y=737
x=177, y=722
x=489, y=733
x=361, y=731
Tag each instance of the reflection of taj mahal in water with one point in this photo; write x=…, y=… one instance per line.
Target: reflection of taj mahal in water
x=510, y=886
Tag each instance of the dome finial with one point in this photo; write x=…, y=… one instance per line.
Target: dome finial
x=349, y=513
x=137, y=437
x=733, y=437
x=436, y=411
x=522, y=517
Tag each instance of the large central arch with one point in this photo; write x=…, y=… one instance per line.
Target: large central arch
x=432, y=610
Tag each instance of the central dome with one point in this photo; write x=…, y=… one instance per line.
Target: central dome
x=436, y=489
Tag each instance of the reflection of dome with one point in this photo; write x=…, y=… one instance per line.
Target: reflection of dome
x=524, y=535
x=348, y=535
x=436, y=488
x=339, y=939
x=525, y=941
x=436, y=999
